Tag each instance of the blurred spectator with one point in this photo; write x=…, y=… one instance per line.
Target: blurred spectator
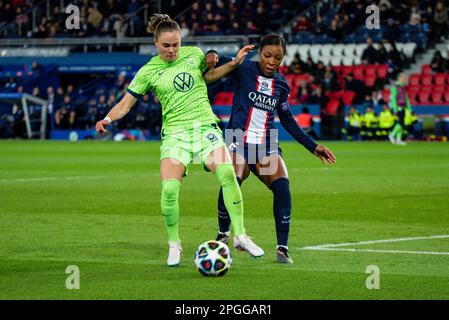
x=297, y=66
x=329, y=80
x=305, y=121
x=65, y=114
x=438, y=62
x=441, y=22
x=370, y=55
x=304, y=93
x=357, y=86
x=303, y=24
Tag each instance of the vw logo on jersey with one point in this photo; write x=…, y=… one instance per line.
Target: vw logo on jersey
x=183, y=82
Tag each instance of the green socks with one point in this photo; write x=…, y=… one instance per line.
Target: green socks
x=232, y=196
x=397, y=132
x=170, y=207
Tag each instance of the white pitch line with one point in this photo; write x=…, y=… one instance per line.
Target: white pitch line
x=333, y=245
x=376, y=251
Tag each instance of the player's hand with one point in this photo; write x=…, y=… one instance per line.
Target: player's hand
x=211, y=60
x=100, y=126
x=241, y=55
x=326, y=156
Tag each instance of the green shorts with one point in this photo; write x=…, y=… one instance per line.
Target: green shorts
x=192, y=146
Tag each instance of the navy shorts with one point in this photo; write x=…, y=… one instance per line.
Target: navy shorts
x=254, y=153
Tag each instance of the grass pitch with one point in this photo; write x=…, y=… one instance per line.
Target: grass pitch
x=96, y=205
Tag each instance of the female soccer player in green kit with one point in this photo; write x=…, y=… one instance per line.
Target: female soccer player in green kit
x=189, y=127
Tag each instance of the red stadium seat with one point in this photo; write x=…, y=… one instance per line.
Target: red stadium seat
x=283, y=70
x=370, y=70
x=223, y=99
x=439, y=88
x=299, y=78
x=426, y=88
x=370, y=81
x=440, y=79
x=446, y=96
x=437, y=97
x=412, y=98
x=290, y=79
x=426, y=69
x=346, y=70
x=348, y=97
x=426, y=79
x=424, y=97
x=386, y=95
x=332, y=107
x=413, y=88
x=359, y=72
x=382, y=71
x=414, y=79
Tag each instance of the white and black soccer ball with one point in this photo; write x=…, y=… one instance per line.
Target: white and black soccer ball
x=213, y=258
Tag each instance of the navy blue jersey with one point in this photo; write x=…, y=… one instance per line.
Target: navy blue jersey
x=257, y=98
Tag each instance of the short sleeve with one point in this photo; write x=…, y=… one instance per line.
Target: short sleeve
x=141, y=83
x=202, y=58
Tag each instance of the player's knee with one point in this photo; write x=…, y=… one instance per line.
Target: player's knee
x=280, y=185
x=226, y=174
x=170, y=190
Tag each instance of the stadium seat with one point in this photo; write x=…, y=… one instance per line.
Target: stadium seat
x=348, y=97
x=414, y=79
x=315, y=50
x=382, y=71
x=359, y=49
x=424, y=97
x=439, y=88
x=426, y=88
x=437, y=97
x=290, y=79
x=446, y=96
x=358, y=72
x=370, y=81
x=440, y=79
x=283, y=70
x=337, y=50
x=412, y=97
x=357, y=60
x=413, y=88
x=304, y=51
x=426, y=79
x=347, y=70
x=386, y=95
x=347, y=61
x=292, y=49
x=223, y=99
x=335, y=61
x=332, y=107
x=326, y=50
x=426, y=69
x=326, y=60
x=370, y=70
x=409, y=49
x=349, y=50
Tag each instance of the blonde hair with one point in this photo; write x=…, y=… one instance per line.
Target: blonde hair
x=161, y=23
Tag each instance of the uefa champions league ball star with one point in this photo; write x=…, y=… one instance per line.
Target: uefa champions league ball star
x=213, y=258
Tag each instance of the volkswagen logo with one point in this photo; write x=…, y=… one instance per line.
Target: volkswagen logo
x=183, y=82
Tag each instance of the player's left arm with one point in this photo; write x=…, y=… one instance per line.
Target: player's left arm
x=288, y=122
x=213, y=74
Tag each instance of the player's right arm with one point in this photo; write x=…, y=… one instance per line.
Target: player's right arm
x=116, y=113
x=139, y=86
x=217, y=73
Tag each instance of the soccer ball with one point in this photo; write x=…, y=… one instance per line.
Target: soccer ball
x=213, y=258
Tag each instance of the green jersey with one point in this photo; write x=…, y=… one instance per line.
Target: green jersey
x=180, y=87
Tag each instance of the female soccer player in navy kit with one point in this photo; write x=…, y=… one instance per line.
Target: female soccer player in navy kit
x=259, y=92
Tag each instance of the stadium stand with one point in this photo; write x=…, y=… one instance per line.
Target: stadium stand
x=332, y=61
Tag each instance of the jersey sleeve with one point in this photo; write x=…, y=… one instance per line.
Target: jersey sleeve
x=289, y=123
x=140, y=84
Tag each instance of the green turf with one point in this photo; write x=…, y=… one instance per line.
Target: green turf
x=96, y=205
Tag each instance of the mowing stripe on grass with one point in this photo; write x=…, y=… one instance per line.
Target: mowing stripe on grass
x=75, y=177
